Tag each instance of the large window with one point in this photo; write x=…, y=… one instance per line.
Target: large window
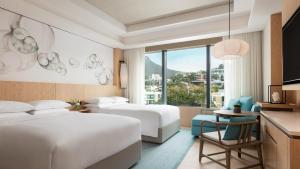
x=153, y=77
x=216, y=82
x=186, y=77
x=189, y=77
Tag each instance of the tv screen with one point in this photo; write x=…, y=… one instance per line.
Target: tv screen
x=291, y=50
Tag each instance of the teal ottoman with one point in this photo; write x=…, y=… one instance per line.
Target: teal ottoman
x=208, y=127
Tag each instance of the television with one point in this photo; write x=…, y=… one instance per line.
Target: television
x=291, y=50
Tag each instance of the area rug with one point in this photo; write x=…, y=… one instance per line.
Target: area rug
x=167, y=155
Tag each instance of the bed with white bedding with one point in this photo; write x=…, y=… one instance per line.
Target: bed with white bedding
x=68, y=140
x=158, y=122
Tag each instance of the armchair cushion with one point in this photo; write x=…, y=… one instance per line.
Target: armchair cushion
x=246, y=103
x=197, y=120
x=215, y=137
x=231, y=103
x=208, y=127
x=256, y=108
x=233, y=132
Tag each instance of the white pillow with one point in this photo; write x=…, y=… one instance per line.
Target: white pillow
x=118, y=99
x=13, y=115
x=49, y=104
x=99, y=100
x=13, y=107
x=102, y=105
x=48, y=111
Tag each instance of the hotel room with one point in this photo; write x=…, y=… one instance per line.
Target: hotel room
x=140, y=84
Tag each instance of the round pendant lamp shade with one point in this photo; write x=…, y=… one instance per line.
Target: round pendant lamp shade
x=230, y=49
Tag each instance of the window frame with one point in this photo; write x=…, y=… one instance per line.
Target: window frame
x=164, y=54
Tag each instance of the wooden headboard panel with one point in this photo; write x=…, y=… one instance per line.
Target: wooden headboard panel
x=29, y=91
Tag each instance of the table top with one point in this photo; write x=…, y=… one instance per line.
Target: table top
x=231, y=113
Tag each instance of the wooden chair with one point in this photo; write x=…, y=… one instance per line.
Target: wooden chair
x=245, y=140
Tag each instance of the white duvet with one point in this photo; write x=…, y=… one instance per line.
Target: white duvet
x=63, y=141
x=152, y=117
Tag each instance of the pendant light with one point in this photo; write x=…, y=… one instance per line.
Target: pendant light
x=230, y=48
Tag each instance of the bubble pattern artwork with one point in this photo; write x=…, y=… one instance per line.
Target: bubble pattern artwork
x=35, y=51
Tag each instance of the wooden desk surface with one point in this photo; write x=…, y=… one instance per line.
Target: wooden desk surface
x=288, y=122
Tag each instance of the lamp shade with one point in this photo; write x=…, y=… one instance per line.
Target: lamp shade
x=123, y=75
x=230, y=49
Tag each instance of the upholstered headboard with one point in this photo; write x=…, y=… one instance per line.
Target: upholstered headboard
x=29, y=91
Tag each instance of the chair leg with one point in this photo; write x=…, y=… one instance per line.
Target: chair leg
x=240, y=154
x=228, y=156
x=259, y=153
x=201, y=150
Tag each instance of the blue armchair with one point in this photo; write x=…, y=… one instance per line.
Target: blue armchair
x=246, y=103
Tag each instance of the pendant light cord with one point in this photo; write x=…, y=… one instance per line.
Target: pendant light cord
x=229, y=1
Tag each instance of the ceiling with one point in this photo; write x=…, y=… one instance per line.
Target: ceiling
x=139, y=23
x=136, y=11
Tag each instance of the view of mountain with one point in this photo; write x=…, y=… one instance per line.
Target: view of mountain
x=153, y=68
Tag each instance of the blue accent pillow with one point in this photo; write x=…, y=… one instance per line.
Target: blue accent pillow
x=233, y=132
x=232, y=102
x=246, y=103
x=256, y=108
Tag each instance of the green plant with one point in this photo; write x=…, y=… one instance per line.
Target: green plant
x=75, y=104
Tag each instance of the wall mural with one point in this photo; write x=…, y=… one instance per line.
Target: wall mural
x=33, y=51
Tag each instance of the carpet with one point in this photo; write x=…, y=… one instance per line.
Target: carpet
x=167, y=155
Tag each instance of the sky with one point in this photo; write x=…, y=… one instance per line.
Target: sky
x=185, y=60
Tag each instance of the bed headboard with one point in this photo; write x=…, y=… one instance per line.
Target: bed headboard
x=29, y=91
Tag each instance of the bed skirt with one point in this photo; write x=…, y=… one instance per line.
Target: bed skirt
x=164, y=133
x=122, y=160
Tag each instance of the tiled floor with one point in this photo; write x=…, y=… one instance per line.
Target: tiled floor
x=191, y=159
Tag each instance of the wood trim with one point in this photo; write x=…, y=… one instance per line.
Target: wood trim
x=291, y=87
x=280, y=128
x=288, y=9
x=276, y=49
x=118, y=55
x=29, y=91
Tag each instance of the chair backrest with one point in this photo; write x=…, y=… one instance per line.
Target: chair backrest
x=240, y=128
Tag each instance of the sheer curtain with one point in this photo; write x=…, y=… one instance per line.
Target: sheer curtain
x=135, y=60
x=243, y=76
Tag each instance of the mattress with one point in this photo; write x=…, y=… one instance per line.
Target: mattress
x=152, y=117
x=69, y=140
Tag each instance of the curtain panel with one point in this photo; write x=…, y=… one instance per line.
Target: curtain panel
x=243, y=76
x=135, y=59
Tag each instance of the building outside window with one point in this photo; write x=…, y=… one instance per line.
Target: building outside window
x=153, y=78
x=217, y=82
x=187, y=73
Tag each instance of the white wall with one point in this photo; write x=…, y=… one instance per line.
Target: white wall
x=266, y=59
x=49, y=54
x=26, y=8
